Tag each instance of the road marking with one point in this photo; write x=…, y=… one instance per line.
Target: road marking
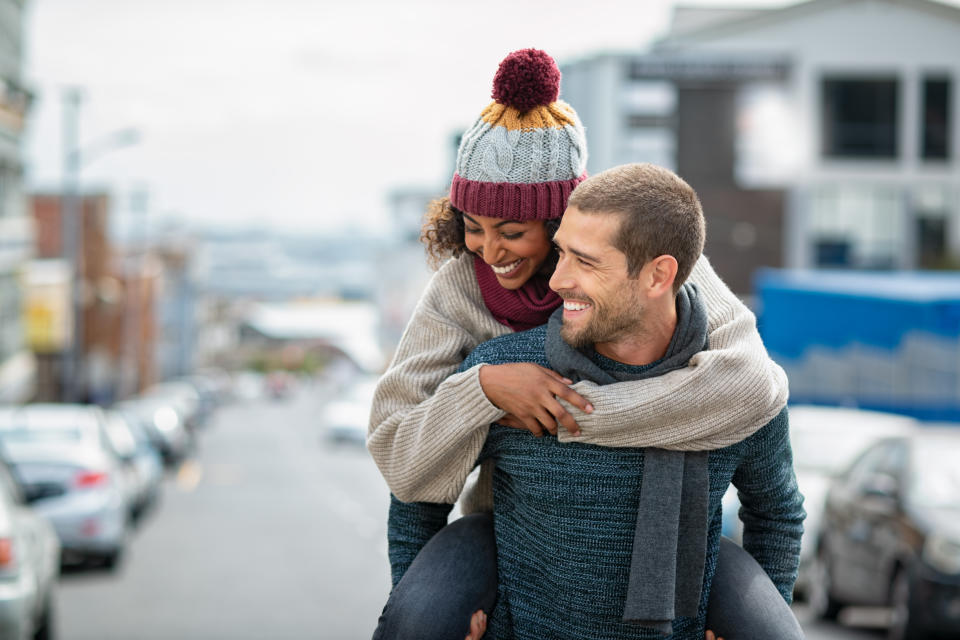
x=189, y=475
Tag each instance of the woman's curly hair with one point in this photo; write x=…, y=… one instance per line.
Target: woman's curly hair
x=443, y=233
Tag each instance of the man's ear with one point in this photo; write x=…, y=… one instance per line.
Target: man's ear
x=662, y=273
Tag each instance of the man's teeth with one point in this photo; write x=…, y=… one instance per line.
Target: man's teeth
x=507, y=269
x=574, y=306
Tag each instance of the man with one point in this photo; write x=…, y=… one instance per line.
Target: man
x=595, y=542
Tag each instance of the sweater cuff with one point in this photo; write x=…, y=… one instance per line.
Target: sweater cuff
x=475, y=402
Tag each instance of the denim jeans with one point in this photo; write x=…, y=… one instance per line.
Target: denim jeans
x=453, y=575
x=456, y=573
x=744, y=604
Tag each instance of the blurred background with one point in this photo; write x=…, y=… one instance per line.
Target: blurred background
x=209, y=218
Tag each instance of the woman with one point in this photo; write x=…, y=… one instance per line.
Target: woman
x=515, y=169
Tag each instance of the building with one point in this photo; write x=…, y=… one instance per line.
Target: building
x=122, y=343
x=841, y=114
x=680, y=112
x=17, y=364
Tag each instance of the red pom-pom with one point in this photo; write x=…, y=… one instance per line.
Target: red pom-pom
x=526, y=79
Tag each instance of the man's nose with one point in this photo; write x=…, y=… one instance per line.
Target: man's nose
x=560, y=279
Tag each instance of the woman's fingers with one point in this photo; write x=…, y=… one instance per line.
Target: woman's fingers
x=574, y=398
x=530, y=393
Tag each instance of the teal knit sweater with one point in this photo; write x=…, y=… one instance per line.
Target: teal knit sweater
x=565, y=517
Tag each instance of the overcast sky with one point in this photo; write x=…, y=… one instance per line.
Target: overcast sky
x=290, y=113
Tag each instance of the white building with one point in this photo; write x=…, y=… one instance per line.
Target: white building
x=849, y=106
x=17, y=365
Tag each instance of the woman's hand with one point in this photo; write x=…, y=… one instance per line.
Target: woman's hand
x=478, y=625
x=709, y=636
x=528, y=393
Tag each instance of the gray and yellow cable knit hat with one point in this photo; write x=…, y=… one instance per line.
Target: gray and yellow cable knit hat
x=527, y=150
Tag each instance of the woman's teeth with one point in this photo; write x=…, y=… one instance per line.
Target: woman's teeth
x=574, y=306
x=505, y=270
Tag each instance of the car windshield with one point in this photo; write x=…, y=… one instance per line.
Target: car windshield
x=936, y=481
x=44, y=434
x=826, y=451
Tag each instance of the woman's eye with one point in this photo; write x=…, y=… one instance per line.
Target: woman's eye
x=471, y=230
x=513, y=236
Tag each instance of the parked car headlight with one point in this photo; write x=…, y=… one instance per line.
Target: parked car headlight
x=165, y=419
x=942, y=553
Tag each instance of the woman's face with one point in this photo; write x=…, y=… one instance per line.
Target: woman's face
x=515, y=250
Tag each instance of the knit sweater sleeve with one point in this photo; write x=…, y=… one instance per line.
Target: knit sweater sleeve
x=428, y=422
x=725, y=394
x=771, y=504
x=409, y=527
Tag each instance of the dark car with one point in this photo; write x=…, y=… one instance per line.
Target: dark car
x=890, y=535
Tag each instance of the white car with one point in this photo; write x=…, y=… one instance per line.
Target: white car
x=145, y=466
x=29, y=565
x=345, y=418
x=70, y=474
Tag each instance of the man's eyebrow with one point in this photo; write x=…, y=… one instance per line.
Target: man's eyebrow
x=578, y=253
x=496, y=226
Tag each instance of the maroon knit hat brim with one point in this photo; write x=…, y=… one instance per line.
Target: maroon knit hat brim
x=513, y=201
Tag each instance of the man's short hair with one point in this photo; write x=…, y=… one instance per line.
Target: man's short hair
x=660, y=214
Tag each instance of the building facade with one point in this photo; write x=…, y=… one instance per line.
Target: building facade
x=862, y=131
x=680, y=112
x=17, y=365
x=822, y=134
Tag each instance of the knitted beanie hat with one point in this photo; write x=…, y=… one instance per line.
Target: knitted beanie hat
x=527, y=150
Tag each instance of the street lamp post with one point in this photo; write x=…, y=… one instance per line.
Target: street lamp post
x=71, y=240
x=72, y=228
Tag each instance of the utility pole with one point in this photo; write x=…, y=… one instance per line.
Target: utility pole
x=71, y=241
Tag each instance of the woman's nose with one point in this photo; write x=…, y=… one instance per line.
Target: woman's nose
x=491, y=250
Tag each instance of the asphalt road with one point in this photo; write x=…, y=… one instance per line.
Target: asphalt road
x=270, y=533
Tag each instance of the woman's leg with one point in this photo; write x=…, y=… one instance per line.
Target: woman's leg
x=454, y=575
x=744, y=604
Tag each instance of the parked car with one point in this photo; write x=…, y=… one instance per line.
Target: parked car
x=163, y=425
x=71, y=475
x=29, y=565
x=891, y=535
x=824, y=441
x=145, y=467
x=183, y=397
x=345, y=418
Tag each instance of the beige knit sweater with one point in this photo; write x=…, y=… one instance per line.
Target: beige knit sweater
x=428, y=422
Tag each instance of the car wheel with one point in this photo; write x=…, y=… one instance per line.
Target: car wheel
x=112, y=559
x=44, y=630
x=820, y=588
x=903, y=625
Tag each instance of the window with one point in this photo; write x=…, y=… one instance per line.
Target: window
x=860, y=118
x=935, y=135
x=857, y=225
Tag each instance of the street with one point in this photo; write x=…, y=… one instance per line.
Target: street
x=270, y=533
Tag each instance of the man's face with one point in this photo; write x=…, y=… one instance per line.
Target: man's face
x=601, y=303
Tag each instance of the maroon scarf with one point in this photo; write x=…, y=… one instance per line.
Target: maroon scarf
x=521, y=309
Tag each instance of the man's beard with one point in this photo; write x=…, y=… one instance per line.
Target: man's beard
x=607, y=323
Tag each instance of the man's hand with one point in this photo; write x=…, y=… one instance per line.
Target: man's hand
x=528, y=393
x=710, y=636
x=478, y=625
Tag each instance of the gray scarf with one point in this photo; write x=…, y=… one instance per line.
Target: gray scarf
x=669, y=546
